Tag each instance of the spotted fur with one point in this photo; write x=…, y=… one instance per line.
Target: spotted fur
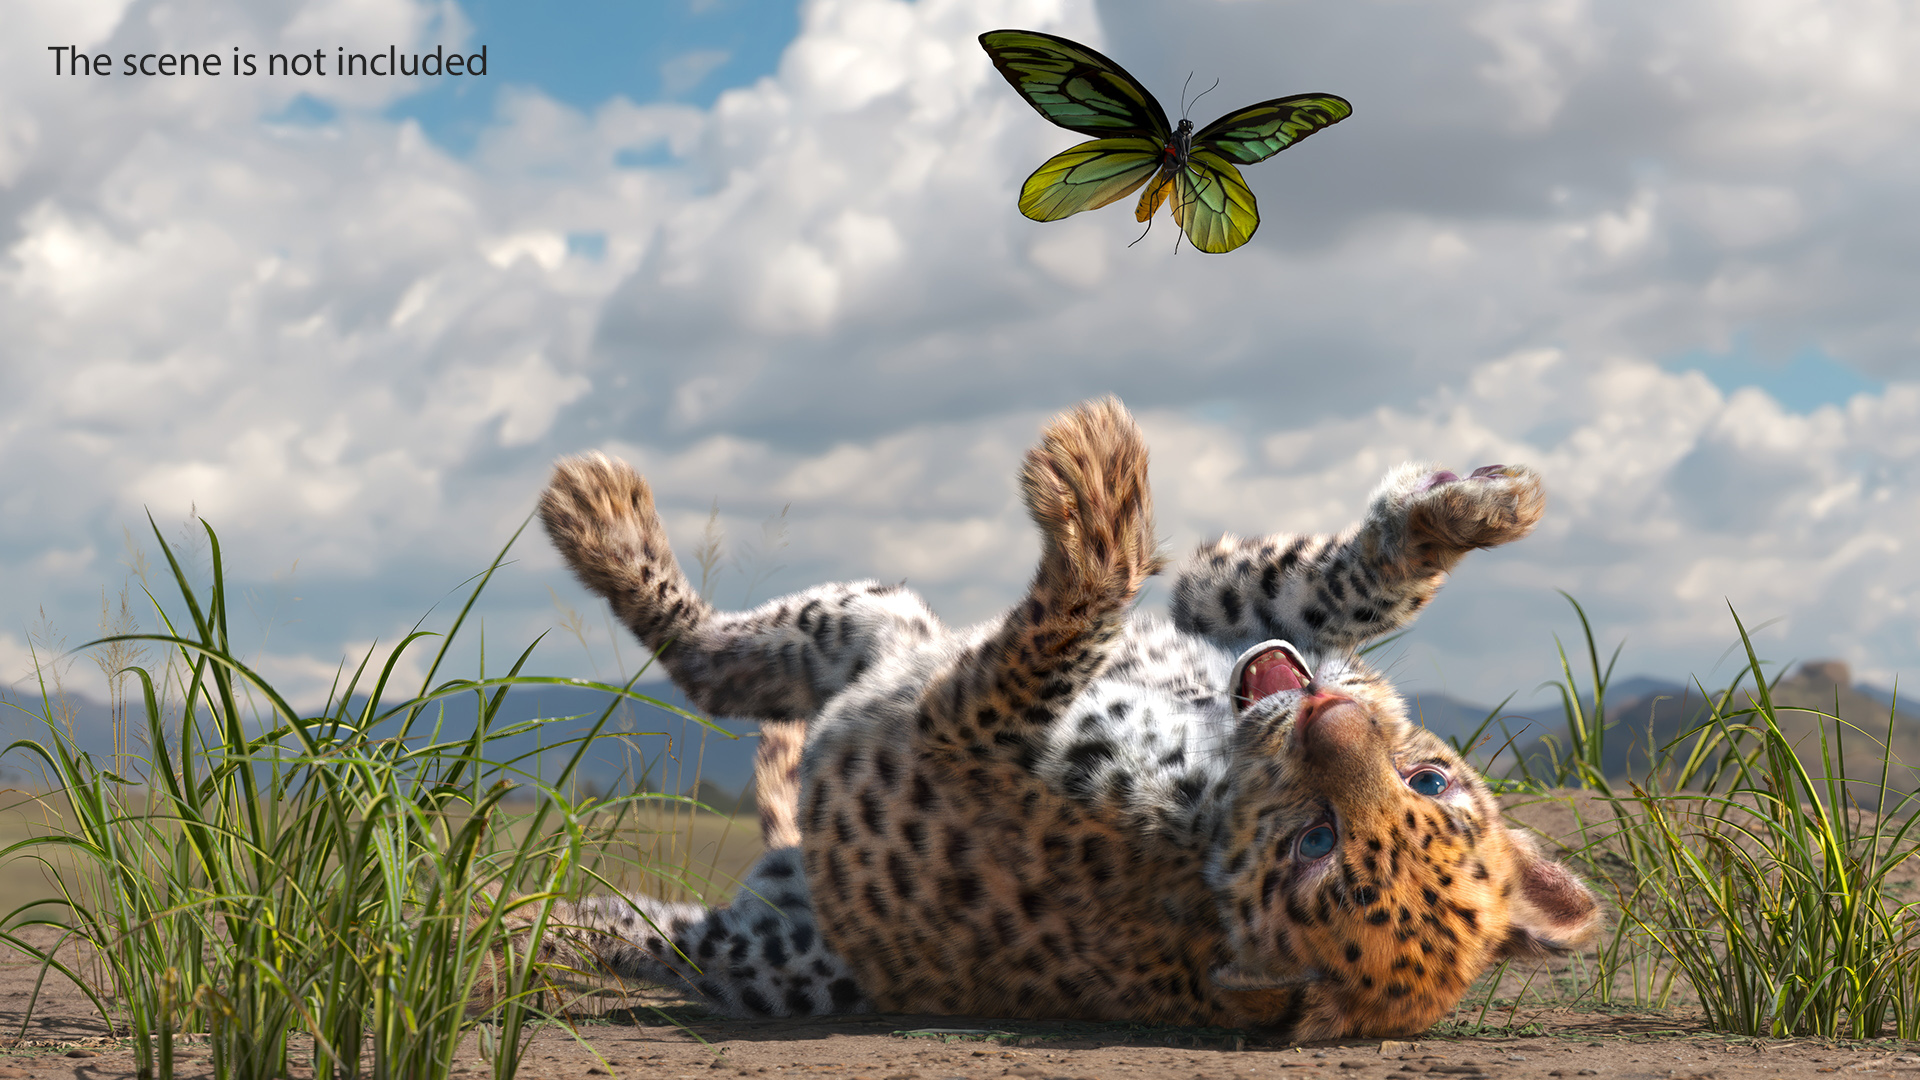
x=1061, y=813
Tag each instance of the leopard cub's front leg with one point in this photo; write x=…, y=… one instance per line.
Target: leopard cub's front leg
x=1335, y=592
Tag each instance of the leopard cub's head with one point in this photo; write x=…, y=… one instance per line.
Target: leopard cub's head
x=1364, y=870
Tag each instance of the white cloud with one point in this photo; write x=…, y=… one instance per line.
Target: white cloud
x=689, y=69
x=347, y=346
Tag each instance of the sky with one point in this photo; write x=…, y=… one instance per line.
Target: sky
x=1662, y=250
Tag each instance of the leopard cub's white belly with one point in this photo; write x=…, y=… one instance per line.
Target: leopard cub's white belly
x=1150, y=738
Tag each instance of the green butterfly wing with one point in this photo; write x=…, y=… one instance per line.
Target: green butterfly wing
x=1088, y=176
x=1212, y=202
x=1258, y=132
x=1081, y=90
x=1074, y=86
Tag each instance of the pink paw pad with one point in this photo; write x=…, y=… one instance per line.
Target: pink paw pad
x=1446, y=476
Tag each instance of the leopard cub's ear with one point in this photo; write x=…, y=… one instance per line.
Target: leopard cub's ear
x=1553, y=911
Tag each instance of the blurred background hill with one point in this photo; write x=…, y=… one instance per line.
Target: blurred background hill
x=665, y=752
x=1646, y=716
x=654, y=749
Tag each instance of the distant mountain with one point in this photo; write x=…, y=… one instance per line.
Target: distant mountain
x=665, y=751
x=1446, y=716
x=1645, y=717
x=1908, y=700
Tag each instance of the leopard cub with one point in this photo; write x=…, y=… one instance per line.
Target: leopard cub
x=1076, y=811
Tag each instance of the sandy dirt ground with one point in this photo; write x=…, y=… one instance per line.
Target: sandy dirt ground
x=66, y=1039
x=638, y=1043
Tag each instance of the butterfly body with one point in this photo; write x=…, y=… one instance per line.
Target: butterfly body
x=1134, y=144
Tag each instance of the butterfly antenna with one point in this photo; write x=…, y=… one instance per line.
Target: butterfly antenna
x=1196, y=100
x=1183, y=95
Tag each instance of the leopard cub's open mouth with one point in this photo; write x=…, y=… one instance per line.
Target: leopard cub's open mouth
x=1268, y=668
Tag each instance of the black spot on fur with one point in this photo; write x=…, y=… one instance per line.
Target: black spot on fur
x=1096, y=858
x=872, y=813
x=798, y=1003
x=965, y=889
x=1292, y=555
x=836, y=875
x=1083, y=760
x=916, y=834
x=1269, y=885
x=1298, y=913
x=802, y=938
x=886, y=768
x=923, y=793
x=845, y=994
x=1398, y=990
x=1186, y=791
x=959, y=844
x=900, y=875
x=1314, y=617
x=774, y=951
x=1238, y=862
x=1230, y=605
x=1365, y=895
x=1353, y=953
x=1379, y=917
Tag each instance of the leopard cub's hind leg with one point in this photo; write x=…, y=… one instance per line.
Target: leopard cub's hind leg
x=1086, y=487
x=761, y=955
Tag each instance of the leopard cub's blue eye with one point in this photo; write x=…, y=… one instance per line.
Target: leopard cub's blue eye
x=1316, y=842
x=1428, y=782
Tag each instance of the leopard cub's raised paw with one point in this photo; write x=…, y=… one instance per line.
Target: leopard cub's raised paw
x=1086, y=487
x=1448, y=515
x=599, y=514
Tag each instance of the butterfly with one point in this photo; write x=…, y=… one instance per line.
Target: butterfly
x=1081, y=90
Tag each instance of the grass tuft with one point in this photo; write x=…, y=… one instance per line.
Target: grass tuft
x=267, y=879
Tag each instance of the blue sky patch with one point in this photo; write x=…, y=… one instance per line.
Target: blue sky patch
x=584, y=52
x=1808, y=380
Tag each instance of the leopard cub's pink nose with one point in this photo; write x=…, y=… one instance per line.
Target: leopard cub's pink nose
x=1329, y=722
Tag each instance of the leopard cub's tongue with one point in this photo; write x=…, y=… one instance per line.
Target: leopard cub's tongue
x=1269, y=673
